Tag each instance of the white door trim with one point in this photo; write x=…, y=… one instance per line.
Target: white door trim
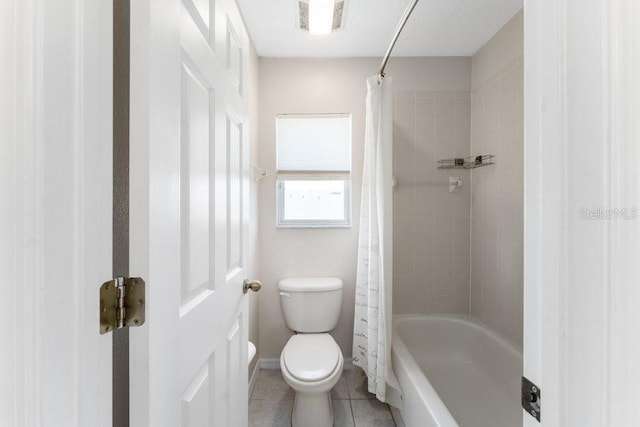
x=582, y=100
x=541, y=294
x=55, y=214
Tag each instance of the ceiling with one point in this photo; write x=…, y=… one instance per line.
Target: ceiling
x=436, y=28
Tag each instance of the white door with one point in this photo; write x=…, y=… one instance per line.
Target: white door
x=189, y=212
x=55, y=211
x=582, y=201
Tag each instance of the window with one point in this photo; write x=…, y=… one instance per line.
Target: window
x=314, y=170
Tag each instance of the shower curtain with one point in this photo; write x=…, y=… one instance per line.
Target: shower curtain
x=372, y=320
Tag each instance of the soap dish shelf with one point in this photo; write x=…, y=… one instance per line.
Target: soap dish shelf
x=471, y=162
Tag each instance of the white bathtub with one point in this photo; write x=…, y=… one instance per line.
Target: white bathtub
x=454, y=371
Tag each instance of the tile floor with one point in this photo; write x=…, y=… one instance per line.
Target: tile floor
x=272, y=402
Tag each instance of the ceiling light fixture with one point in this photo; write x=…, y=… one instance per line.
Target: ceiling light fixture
x=321, y=16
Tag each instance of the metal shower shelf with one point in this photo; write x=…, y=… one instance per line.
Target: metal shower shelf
x=471, y=162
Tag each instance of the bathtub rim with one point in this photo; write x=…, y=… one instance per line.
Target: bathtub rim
x=421, y=385
x=459, y=318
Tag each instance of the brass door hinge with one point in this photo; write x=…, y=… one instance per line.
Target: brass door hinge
x=122, y=303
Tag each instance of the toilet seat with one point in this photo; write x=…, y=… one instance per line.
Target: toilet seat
x=311, y=357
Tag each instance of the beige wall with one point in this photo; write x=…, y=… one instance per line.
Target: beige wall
x=431, y=224
x=497, y=191
x=254, y=249
x=311, y=86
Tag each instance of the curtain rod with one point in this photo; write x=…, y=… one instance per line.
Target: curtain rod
x=403, y=21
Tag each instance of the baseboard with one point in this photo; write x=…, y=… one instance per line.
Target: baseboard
x=269, y=363
x=348, y=364
x=252, y=378
x=275, y=364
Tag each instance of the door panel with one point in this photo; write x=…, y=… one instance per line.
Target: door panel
x=234, y=196
x=196, y=142
x=190, y=221
x=234, y=55
x=202, y=14
x=234, y=354
x=56, y=145
x=197, y=399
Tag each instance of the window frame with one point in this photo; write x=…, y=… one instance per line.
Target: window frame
x=309, y=175
x=281, y=222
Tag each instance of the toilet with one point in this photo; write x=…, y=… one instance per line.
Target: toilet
x=311, y=361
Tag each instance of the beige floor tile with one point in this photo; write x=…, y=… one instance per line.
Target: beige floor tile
x=339, y=391
x=342, y=414
x=371, y=413
x=271, y=386
x=271, y=403
x=357, y=384
x=270, y=413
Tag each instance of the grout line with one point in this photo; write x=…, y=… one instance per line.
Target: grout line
x=353, y=416
x=346, y=381
x=391, y=413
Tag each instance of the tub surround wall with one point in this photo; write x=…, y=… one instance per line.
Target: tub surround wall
x=497, y=191
x=431, y=224
x=312, y=86
x=505, y=46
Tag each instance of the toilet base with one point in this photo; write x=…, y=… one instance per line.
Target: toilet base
x=312, y=410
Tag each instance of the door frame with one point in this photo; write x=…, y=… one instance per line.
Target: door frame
x=581, y=150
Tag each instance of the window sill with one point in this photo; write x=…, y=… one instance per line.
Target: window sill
x=314, y=225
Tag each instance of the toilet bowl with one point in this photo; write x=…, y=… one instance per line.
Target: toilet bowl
x=311, y=362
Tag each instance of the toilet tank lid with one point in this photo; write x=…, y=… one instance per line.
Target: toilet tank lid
x=310, y=284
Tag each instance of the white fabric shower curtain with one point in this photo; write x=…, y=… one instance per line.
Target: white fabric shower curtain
x=372, y=320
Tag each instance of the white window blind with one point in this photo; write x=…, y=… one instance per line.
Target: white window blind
x=313, y=142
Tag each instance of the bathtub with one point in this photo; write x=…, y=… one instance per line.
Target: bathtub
x=454, y=371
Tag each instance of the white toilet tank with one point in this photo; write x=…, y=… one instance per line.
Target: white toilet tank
x=311, y=304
